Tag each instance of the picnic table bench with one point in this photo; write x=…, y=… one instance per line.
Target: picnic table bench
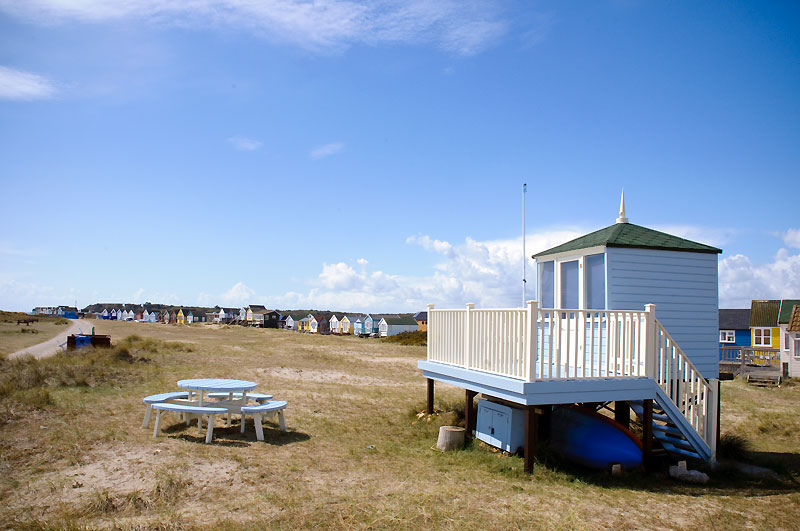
x=225, y=397
x=273, y=406
x=28, y=321
x=189, y=409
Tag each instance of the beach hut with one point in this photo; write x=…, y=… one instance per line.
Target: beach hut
x=391, y=326
x=333, y=323
x=626, y=315
x=793, y=330
x=784, y=317
x=421, y=319
x=766, y=332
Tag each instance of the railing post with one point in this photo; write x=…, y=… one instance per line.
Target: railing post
x=531, y=341
x=711, y=434
x=650, y=357
x=468, y=335
x=428, y=341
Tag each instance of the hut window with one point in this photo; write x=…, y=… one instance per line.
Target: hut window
x=595, y=282
x=727, y=336
x=762, y=337
x=569, y=284
x=548, y=295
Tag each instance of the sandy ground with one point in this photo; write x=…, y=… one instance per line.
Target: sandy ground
x=51, y=346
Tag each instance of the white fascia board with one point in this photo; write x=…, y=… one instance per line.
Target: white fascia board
x=566, y=256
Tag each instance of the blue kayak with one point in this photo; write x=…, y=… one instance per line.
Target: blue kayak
x=588, y=438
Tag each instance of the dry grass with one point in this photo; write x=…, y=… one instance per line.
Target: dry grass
x=14, y=337
x=77, y=457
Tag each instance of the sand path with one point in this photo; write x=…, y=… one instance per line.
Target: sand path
x=51, y=346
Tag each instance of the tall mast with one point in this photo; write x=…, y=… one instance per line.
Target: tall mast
x=524, y=258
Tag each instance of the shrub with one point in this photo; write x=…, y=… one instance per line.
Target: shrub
x=733, y=446
x=416, y=338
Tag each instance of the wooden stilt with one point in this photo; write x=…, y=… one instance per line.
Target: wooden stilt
x=429, y=411
x=469, y=414
x=647, y=431
x=530, y=437
x=622, y=413
x=719, y=403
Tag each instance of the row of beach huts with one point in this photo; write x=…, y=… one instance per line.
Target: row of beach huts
x=372, y=325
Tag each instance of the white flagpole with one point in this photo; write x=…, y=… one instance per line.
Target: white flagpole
x=524, y=258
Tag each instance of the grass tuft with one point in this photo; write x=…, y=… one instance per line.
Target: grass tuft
x=412, y=339
x=733, y=446
x=169, y=487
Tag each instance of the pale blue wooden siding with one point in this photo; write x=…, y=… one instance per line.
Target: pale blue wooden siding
x=682, y=285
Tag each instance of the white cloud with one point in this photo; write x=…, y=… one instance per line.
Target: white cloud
x=244, y=144
x=24, y=86
x=429, y=244
x=22, y=295
x=458, y=26
x=792, y=238
x=740, y=280
x=326, y=150
x=238, y=295
x=486, y=273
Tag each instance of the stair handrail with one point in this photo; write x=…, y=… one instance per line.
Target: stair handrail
x=697, y=401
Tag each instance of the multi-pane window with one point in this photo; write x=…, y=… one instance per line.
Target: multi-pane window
x=595, y=282
x=548, y=285
x=797, y=347
x=762, y=337
x=727, y=336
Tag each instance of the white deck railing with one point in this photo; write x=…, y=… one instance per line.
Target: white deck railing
x=687, y=389
x=557, y=344
x=539, y=343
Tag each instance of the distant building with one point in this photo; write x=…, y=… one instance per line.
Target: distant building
x=734, y=327
x=422, y=321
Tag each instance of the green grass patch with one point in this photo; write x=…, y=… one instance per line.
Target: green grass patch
x=415, y=339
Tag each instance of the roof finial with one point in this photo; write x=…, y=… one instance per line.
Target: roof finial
x=622, y=218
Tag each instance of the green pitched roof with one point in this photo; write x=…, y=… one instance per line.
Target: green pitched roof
x=786, y=310
x=630, y=235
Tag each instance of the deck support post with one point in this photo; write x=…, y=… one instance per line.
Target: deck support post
x=429, y=410
x=647, y=432
x=530, y=437
x=622, y=413
x=469, y=414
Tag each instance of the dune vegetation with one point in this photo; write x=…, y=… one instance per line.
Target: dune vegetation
x=359, y=452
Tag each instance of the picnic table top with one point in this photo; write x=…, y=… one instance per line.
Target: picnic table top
x=216, y=384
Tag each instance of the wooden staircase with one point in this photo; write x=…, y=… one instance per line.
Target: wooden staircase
x=667, y=433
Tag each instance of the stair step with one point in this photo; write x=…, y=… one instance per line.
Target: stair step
x=639, y=410
x=680, y=451
x=679, y=443
x=671, y=429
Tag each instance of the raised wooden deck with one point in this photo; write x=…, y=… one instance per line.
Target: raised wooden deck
x=536, y=356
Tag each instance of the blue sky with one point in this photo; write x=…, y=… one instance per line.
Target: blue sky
x=369, y=156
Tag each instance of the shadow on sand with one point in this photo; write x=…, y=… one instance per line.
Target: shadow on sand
x=231, y=436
